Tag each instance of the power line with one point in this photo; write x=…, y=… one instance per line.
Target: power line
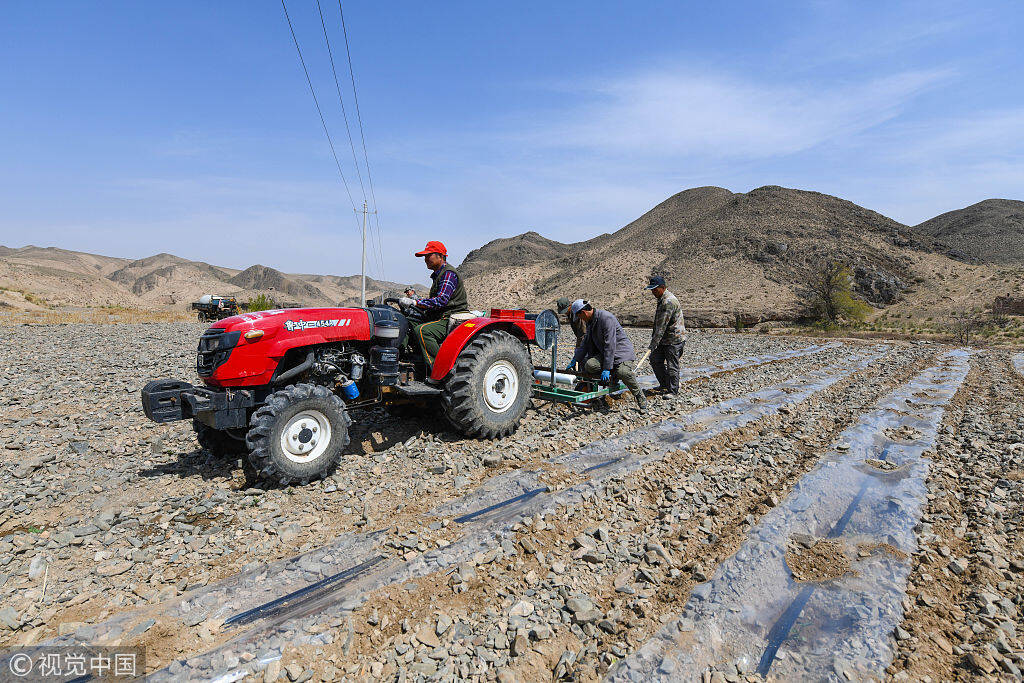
x=341, y=100
x=312, y=92
x=359, y=118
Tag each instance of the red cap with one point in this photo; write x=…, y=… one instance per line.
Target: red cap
x=433, y=247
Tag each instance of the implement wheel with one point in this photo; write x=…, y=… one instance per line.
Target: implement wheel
x=489, y=388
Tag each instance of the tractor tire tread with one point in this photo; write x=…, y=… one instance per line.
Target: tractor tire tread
x=264, y=461
x=459, y=398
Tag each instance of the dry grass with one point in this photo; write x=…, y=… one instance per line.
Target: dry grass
x=105, y=315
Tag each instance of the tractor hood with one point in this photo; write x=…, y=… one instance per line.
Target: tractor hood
x=244, y=350
x=317, y=324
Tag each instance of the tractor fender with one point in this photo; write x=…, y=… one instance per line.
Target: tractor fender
x=457, y=339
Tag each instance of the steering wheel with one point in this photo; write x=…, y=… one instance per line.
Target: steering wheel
x=411, y=312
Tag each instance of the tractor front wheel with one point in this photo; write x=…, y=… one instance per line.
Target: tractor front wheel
x=298, y=435
x=489, y=388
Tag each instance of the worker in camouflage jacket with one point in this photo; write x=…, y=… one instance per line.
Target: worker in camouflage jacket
x=667, y=338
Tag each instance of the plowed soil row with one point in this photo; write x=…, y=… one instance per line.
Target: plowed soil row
x=966, y=596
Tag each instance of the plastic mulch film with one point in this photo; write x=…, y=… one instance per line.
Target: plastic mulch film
x=487, y=516
x=508, y=495
x=331, y=565
x=1018, y=363
x=860, y=504
x=733, y=364
x=302, y=600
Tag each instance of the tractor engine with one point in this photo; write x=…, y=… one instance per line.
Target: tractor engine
x=338, y=366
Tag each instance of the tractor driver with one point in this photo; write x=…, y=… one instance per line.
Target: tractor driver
x=447, y=296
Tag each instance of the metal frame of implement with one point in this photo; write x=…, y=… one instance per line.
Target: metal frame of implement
x=546, y=333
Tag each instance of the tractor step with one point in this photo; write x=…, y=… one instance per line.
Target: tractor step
x=417, y=389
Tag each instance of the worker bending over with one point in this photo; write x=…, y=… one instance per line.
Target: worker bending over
x=606, y=350
x=579, y=328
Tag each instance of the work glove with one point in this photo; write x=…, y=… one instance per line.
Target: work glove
x=571, y=366
x=606, y=375
x=406, y=302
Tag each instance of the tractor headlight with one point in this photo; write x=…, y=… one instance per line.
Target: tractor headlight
x=218, y=341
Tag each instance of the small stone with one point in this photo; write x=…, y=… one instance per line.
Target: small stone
x=520, y=644
x=577, y=605
x=444, y=622
x=541, y=632
x=981, y=662
x=428, y=638
x=521, y=609
x=943, y=644
x=957, y=566
x=114, y=569
x=297, y=673
x=37, y=567
x=588, y=616
x=9, y=619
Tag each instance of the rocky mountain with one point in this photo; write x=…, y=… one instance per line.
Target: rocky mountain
x=262, y=278
x=991, y=231
x=36, y=277
x=728, y=254
x=725, y=254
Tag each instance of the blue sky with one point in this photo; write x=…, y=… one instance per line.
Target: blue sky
x=131, y=128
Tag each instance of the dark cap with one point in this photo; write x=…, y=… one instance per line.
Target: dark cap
x=562, y=304
x=656, y=281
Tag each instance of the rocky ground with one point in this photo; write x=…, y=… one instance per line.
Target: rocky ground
x=103, y=511
x=966, y=596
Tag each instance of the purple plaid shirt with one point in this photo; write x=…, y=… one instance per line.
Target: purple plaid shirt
x=449, y=280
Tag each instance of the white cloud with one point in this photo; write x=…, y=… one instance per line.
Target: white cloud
x=666, y=114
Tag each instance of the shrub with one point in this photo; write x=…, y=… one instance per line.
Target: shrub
x=829, y=296
x=260, y=302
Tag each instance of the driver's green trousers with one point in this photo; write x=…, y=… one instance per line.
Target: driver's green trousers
x=429, y=336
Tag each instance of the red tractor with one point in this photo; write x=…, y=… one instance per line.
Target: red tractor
x=279, y=386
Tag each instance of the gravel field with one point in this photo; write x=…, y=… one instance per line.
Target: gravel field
x=103, y=512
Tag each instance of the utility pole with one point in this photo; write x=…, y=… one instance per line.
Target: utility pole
x=362, y=296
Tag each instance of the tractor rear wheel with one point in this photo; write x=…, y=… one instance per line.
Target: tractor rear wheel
x=489, y=388
x=218, y=443
x=298, y=435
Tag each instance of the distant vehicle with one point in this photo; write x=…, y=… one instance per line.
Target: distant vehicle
x=210, y=308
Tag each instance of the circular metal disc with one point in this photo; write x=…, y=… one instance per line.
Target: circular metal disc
x=546, y=329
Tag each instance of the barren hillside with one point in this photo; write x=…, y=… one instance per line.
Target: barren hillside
x=35, y=277
x=991, y=231
x=730, y=253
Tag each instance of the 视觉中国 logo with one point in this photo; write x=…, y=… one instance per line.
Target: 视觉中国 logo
x=298, y=325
